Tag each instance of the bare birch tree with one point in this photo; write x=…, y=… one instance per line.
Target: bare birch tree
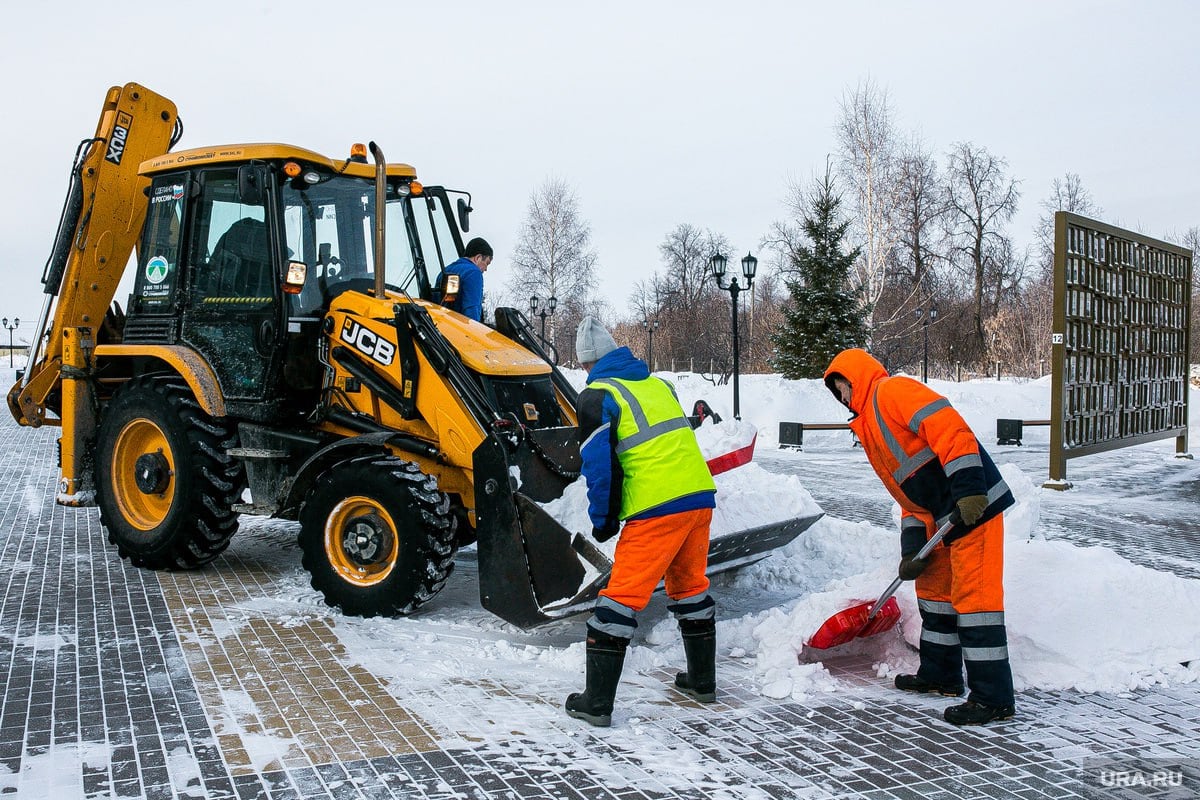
x=1066, y=194
x=913, y=285
x=982, y=199
x=688, y=302
x=1191, y=240
x=921, y=204
x=866, y=146
x=554, y=257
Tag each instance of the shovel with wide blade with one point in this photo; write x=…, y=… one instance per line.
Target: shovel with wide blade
x=868, y=619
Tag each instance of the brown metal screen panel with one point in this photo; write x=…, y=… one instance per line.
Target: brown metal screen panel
x=1122, y=305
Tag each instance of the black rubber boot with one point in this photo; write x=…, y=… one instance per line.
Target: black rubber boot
x=700, y=646
x=605, y=658
x=915, y=683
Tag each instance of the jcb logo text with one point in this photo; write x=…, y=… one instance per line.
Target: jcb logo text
x=368, y=343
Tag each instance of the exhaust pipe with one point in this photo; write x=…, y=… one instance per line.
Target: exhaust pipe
x=380, y=212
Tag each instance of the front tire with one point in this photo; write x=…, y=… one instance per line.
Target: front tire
x=377, y=537
x=164, y=483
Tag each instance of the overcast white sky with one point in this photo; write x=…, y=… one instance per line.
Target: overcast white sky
x=656, y=113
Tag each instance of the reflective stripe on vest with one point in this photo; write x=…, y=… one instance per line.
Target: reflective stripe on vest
x=655, y=446
x=907, y=464
x=643, y=431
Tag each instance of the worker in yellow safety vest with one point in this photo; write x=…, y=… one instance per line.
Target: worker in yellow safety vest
x=643, y=467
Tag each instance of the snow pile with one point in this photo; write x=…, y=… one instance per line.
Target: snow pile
x=1078, y=617
x=730, y=435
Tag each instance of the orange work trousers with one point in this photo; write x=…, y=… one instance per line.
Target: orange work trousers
x=969, y=574
x=673, y=548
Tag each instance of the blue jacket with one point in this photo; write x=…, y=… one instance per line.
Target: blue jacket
x=601, y=469
x=470, y=288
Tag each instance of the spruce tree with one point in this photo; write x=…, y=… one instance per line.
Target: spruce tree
x=822, y=316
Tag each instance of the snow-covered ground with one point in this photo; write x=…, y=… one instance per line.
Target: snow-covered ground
x=1079, y=618
x=1056, y=590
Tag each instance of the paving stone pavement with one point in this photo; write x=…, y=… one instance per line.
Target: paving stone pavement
x=118, y=682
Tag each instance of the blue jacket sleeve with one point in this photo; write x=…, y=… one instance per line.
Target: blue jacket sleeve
x=598, y=418
x=472, y=293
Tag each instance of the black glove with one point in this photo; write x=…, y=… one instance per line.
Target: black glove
x=607, y=532
x=911, y=567
x=971, y=508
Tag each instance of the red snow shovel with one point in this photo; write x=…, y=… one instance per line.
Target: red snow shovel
x=868, y=619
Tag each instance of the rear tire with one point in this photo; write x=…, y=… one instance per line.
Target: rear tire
x=377, y=537
x=164, y=483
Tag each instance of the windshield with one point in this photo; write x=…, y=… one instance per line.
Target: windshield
x=330, y=227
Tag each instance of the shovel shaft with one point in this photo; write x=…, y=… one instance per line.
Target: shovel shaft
x=933, y=542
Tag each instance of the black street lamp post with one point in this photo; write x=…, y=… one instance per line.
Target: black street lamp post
x=551, y=304
x=749, y=267
x=10, y=329
x=650, y=327
x=927, y=315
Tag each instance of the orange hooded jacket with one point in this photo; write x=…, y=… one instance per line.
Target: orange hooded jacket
x=921, y=448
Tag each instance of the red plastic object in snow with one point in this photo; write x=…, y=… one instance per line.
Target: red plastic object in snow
x=857, y=621
x=739, y=457
x=853, y=623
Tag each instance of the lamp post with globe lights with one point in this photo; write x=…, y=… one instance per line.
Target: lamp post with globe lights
x=719, y=263
x=548, y=311
x=10, y=329
x=651, y=326
x=926, y=315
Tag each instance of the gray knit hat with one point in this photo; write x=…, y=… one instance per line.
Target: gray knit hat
x=592, y=341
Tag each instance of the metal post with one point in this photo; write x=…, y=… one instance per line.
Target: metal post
x=15, y=324
x=733, y=291
x=925, y=354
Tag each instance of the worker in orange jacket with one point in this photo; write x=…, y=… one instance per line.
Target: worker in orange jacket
x=935, y=467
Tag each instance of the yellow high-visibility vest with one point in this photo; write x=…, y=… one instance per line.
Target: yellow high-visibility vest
x=656, y=447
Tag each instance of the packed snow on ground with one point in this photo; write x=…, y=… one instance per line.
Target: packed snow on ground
x=1057, y=592
x=1079, y=618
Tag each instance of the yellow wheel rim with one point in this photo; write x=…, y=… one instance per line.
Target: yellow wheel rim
x=143, y=509
x=360, y=541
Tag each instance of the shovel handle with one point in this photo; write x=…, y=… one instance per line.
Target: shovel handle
x=933, y=542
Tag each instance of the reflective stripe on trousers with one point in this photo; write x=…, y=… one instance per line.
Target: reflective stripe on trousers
x=961, y=599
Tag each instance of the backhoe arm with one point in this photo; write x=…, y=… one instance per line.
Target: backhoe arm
x=101, y=223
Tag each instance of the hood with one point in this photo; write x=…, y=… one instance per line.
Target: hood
x=861, y=370
x=620, y=363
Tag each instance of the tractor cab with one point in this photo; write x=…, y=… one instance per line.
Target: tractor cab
x=245, y=248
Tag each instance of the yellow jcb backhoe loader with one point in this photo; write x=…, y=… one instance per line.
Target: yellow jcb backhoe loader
x=264, y=365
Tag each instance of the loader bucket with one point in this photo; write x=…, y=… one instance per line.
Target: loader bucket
x=532, y=569
x=528, y=571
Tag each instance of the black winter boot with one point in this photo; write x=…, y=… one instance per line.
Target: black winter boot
x=915, y=683
x=973, y=713
x=605, y=658
x=700, y=646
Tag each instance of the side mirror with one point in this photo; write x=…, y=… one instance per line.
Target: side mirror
x=464, y=212
x=250, y=185
x=297, y=271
